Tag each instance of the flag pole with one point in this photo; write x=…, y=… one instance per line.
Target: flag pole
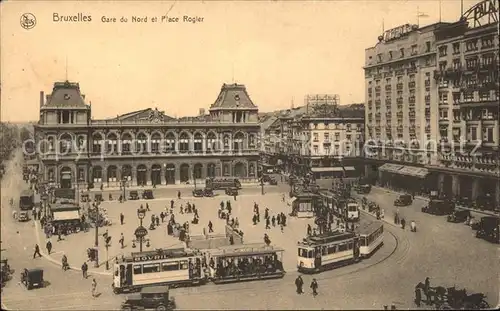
x=440, y=11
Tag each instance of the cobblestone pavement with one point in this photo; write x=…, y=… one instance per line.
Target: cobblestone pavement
x=448, y=253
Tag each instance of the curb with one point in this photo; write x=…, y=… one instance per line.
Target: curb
x=49, y=258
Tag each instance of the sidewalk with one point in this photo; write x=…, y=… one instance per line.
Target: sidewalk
x=163, y=187
x=425, y=199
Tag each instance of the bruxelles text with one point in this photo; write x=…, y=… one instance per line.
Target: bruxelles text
x=339, y=148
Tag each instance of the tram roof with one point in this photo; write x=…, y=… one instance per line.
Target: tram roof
x=370, y=227
x=159, y=254
x=245, y=250
x=328, y=238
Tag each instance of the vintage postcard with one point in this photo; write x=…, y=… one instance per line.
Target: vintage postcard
x=249, y=155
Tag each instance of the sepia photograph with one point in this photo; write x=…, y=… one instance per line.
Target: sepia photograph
x=141, y=140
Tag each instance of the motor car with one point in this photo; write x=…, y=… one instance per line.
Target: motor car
x=222, y=183
x=439, y=207
x=98, y=197
x=232, y=191
x=147, y=194
x=488, y=229
x=403, y=200
x=197, y=193
x=154, y=297
x=133, y=195
x=207, y=192
x=23, y=216
x=32, y=278
x=363, y=189
x=4, y=271
x=460, y=215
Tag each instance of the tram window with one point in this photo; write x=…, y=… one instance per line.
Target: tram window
x=303, y=252
x=170, y=266
x=342, y=247
x=184, y=265
x=350, y=245
x=137, y=269
x=331, y=249
x=151, y=268
x=310, y=254
x=362, y=241
x=324, y=250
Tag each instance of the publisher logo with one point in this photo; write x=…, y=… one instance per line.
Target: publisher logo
x=28, y=21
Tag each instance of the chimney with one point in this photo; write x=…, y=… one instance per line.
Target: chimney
x=202, y=112
x=41, y=98
x=83, y=96
x=47, y=98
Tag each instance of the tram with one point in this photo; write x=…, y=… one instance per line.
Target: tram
x=352, y=210
x=174, y=267
x=327, y=251
x=371, y=238
x=248, y=262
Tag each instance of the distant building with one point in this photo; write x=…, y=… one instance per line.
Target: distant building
x=145, y=147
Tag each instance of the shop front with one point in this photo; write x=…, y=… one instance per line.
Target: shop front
x=405, y=178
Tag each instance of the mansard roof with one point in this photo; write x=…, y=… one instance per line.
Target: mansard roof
x=233, y=97
x=65, y=95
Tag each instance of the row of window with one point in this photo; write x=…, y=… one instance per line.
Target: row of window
x=401, y=53
x=471, y=132
x=470, y=45
x=161, y=267
x=326, y=250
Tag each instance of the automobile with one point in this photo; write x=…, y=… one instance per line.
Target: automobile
x=4, y=271
x=207, y=192
x=222, y=183
x=153, y=297
x=460, y=215
x=133, y=195
x=23, y=216
x=197, y=193
x=32, y=278
x=488, y=229
x=363, y=189
x=98, y=197
x=403, y=200
x=232, y=191
x=439, y=207
x=147, y=194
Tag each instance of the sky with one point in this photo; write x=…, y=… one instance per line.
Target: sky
x=280, y=50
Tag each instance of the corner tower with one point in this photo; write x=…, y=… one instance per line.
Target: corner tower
x=234, y=105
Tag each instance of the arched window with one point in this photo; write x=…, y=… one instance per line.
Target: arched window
x=65, y=143
x=184, y=142
x=111, y=173
x=252, y=141
x=211, y=142
x=127, y=172
x=97, y=143
x=211, y=170
x=238, y=141
x=226, y=142
x=197, y=170
x=126, y=143
x=141, y=143
x=198, y=143
x=97, y=174
x=170, y=142
x=112, y=143
x=155, y=142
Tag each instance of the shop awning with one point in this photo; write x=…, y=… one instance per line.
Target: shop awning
x=419, y=172
x=391, y=168
x=349, y=168
x=290, y=202
x=66, y=215
x=327, y=169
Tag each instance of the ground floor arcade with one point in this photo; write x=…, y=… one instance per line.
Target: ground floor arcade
x=422, y=180
x=110, y=173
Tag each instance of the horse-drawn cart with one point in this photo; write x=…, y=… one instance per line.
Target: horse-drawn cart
x=449, y=298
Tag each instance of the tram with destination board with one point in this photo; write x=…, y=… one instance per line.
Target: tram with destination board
x=334, y=249
x=248, y=262
x=371, y=238
x=173, y=267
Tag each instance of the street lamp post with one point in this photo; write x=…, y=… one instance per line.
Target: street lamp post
x=194, y=180
x=141, y=232
x=107, y=255
x=96, y=242
x=124, y=182
x=262, y=184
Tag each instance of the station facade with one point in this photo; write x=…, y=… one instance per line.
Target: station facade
x=145, y=147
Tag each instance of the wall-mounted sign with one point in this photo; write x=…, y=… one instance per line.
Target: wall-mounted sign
x=483, y=13
x=397, y=32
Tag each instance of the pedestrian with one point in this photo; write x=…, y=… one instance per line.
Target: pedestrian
x=283, y=198
x=268, y=223
x=94, y=288
x=258, y=217
x=314, y=287
x=229, y=209
x=403, y=223
x=147, y=207
x=273, y=221
x=85, y=268
x=210, y=227
x=64, y=262
x=278, y=219
x=181, y=209
x=37, y=251
x=298, y=284
x=418, y=296
x=157, y=221
x=171, y=204
x=266, y=213
x=59, y=234
x=254, y=219
x=122, y=218
x=48, y=246
x=281, y=228
x=178, y=195
x=122, y=240
x=162, y=216
x=236, y=223
x=309, y=229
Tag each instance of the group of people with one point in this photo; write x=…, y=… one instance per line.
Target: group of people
x=279, y=219
x=299, y=284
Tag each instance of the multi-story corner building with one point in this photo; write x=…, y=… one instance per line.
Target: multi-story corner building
x=401, y=117
x=145, y=147
x=468, y=84
x=326, y=140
